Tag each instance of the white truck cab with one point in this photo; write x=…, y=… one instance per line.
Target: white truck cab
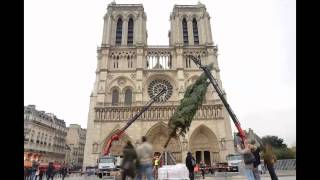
x=234, y=161
x=106, y=164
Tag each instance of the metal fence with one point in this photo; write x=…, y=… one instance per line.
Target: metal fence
x=285, y=164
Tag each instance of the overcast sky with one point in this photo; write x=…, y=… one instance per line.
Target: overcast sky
x=257, y=56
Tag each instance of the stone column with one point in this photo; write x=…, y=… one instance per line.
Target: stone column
x=190, y=31
x=107, y=30
x=124, y=32
x=201, y=31
x=208, y=28
x=139, y=74
x=178, y=33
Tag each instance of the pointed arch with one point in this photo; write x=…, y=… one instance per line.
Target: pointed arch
x=117, y=146
x=158, y=134
x=204, y=144
x=115, y=96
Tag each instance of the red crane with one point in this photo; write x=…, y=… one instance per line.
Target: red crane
x=118, y=134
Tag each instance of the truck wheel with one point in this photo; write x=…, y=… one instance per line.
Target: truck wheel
x=100, y=175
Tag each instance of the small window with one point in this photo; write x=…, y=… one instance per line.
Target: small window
x=115, y=97
x=119, y=32
x=128, y=97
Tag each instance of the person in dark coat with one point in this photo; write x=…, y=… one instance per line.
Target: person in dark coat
x=190, y=163
x=128, y=164
x=41, y=173
x=50, y=171
x=256, y=152
x=63, y=172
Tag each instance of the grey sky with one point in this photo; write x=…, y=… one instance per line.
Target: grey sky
x=256, y=40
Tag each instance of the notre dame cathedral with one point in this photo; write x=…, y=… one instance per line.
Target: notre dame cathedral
x=129, y=73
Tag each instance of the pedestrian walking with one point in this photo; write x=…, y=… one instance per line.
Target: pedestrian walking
x=29, y=177
x=128, y=164
x=269, y=160
x=202, y=168
x=145, y=153
x=256, y=153
x=41, y=172
x=50, y=171
x=190, y=163
x=63, y=172
x=37, y=173
x=248, y=158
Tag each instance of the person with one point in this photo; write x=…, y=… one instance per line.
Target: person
x=37, y=173
x=156, y=166
x=41, y=171
x=25, y=173
x=128, y=162
x=269, y=160
x=50, y=171
x=256, y=153
x=29, y=176
x=190, y=163
x=144, y=153
x=203, y=168
x=63, y=172
x=248, y=159
x=34, y=169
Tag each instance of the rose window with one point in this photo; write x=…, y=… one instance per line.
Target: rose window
x=156, y=86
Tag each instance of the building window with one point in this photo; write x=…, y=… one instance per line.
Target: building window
x=128, y=97
x=185, y=31
x=129, y=59
x=188, y=62
x=195, y=32
x=130, y=32
x=115, y=97
x=116, y=62
x=119, y=32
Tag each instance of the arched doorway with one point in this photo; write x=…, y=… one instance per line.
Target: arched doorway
x=117, y=146
x=204, y=145
x=158, y=134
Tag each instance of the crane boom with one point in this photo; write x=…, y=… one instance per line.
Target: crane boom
x=220, y=93
x=118, y=134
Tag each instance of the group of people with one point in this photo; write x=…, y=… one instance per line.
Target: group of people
x=37, y=173
x=251, y=158
x=138, y=162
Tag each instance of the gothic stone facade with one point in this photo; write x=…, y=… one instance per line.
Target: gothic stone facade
x=129, y=73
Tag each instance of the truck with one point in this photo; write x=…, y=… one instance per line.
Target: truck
x=234, y=162
x=106, y=165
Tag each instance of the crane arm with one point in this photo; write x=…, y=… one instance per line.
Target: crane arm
x=118, y=134
x=220, y=93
